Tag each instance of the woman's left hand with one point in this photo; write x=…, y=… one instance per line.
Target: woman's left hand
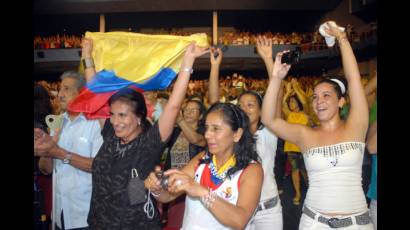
x=180, y=181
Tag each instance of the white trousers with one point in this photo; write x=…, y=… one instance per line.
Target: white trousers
x=307, y=223
x=268, y=219
x=373, y=213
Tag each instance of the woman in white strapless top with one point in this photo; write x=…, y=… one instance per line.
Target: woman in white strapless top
x=333, y=151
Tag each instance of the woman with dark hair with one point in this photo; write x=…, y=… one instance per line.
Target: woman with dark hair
x=223, y=183
x=187, y=138
x=333, y=151
x=131, y=149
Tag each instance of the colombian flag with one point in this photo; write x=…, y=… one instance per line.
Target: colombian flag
x=123, y=59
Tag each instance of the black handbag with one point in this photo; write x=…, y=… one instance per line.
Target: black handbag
x=136, y=189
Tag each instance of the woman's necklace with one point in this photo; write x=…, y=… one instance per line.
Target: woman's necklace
x=219, y=175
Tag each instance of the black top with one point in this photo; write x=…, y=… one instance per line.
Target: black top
x=111, y=170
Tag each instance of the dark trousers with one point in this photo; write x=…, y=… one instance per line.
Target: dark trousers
x=279, y=168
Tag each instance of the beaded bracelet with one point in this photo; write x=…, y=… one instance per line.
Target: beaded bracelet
x=209, y=199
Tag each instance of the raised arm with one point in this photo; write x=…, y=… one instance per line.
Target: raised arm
x=358, y=119
x=300, y=93
x=213, y=94
x=167, y=119
x=370, y=90
x=86, y=55
x=264, y=48
x=283, y=129
x=190, y=133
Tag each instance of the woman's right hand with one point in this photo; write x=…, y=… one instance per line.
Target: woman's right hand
x=264, y=47
x=152, y=182
x=217, y=60
x=280, y=70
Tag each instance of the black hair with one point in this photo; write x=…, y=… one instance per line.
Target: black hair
x=196, y=95
x=42, y=105
x=300, y=105
x=136, y=100
x=335, y=85
x=259, y=99
x=245, y=148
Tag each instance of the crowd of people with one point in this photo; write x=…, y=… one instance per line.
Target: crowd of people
x=307, y=40
x=57, y=42
x=207, y=148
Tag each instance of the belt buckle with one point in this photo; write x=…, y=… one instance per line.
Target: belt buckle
x=332, y=222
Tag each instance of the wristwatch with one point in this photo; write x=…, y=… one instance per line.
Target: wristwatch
x=67, y=158
x=88, y=63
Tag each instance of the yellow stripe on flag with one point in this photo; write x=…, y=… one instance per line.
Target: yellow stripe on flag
x=137, y=57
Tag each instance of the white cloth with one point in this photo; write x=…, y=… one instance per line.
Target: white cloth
x=157, y=111
x=307, y=223
x=197, y=216
x=335, y=178
x=72, y=186
x=266, y=144
x=267, y=219
x=373, y=212
x=330, y=40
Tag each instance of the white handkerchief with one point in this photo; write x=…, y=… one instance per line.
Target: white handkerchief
x=330, y=40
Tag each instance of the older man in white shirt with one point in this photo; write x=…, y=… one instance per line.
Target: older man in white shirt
x=69, y=155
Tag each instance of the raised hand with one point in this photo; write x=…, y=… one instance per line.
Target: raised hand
x=194, y=51
x=264, y=47
x=218, y=59
x=295, y=83
x=333, y=30
x=191, y=53
x=280, y=70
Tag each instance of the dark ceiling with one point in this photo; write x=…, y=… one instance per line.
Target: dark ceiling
x=112, y=6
